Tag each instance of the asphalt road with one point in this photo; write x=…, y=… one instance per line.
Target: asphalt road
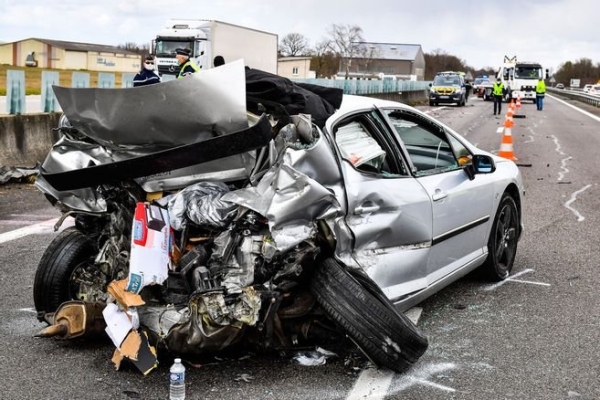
x=535, y=336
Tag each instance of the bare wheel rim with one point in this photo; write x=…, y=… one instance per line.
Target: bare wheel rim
x=506, y=237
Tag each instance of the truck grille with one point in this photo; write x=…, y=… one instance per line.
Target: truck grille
x=169, y=69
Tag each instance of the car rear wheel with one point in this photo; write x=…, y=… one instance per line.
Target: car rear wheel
x=502, y=244
x=368, y=317
x=53, y=279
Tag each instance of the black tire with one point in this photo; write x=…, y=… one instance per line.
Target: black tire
x=386, y=336
x=431, y=103
x=502, y=244
x=52, y=286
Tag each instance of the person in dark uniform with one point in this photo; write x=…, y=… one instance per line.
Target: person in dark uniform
x=468, y=88
x=187, y=66
x=146, y=76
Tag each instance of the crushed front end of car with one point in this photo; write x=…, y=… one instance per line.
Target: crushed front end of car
x=201, y=215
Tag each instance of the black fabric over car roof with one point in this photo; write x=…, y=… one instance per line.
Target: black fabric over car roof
x=282, y=97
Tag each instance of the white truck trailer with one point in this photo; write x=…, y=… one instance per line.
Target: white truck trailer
x=520, y=78
x=209, y=38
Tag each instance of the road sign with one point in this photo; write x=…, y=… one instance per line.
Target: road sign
x=574, y=83
x=552, y=80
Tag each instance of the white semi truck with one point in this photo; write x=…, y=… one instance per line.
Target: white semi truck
x=520, y=78
x=209, y=38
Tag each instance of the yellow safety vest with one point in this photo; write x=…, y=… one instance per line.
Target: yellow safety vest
x=540, y=88
x=498, y=89
x=191, y=64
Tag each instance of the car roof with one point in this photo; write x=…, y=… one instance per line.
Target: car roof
x=351, y=103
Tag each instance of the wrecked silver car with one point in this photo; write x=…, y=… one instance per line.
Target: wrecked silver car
x=235, y=207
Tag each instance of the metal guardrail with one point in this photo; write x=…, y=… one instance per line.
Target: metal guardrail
x=366, y=87
x=576, y=95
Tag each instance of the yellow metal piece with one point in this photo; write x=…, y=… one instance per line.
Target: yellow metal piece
x=154, y=196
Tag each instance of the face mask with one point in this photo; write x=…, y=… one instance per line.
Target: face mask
x=149, y=67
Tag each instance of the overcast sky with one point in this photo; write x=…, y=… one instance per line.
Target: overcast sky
x=480, y=32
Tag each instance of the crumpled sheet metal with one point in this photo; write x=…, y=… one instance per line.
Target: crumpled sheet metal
x=200, y=333
x=15, y=174
x=201, y=204
x=208, y=103
x=288, y=199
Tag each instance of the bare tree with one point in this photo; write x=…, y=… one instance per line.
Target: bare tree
x=345, y=41
x=439, y=60
x=293, y=44
x=142, y=50
x=324, y=62
x=368, y=53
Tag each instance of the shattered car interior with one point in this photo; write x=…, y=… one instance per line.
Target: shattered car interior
x=236, y=207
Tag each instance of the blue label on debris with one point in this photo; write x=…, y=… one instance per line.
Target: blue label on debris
x=135, y=283
x=177, y=377
x=138, y=230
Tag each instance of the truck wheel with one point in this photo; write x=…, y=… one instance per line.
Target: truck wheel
x=52, y=282
x=383, y=334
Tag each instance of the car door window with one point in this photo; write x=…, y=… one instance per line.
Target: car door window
x=362, y=143
x=430, y=150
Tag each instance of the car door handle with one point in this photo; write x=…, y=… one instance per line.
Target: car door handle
x=439, y=195
x=366, y=209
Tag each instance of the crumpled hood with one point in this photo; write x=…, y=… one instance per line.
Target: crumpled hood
x=172, y=113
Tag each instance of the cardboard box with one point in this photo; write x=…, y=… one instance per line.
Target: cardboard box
x=150, y=247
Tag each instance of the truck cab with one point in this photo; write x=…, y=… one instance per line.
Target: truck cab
x=180, y=34
x=520, y=78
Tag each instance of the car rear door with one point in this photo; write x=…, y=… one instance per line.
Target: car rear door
x=389, y=211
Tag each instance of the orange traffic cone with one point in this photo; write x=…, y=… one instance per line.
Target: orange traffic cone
x=506, y=146
x=512, y=103
x=509, y=118
x=518, y=102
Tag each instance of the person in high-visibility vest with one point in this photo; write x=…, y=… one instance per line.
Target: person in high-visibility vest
x=497, y=94
x=540, y=91
x=186, y=66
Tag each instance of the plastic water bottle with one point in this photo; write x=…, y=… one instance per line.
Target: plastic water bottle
x=177, y=381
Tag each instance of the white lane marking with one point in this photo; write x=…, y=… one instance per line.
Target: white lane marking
x=29, y=310
x=530, y=140
x=17, y=222
x=530, y=282
x=575, y=108
x=422, y=376
x=373, y=383
x=563, y=167
x=42, y=227
x=572, y=199
x=558, y=149
x=497, y=285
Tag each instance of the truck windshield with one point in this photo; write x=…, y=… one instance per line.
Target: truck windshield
x=168, y=47
x=528, y=72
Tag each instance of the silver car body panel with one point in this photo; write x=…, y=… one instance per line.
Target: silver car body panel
x=394, y=243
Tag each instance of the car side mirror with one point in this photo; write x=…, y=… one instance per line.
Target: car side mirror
x=481, y=164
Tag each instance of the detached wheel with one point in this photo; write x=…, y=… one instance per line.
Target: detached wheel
x=386, y=336
x=502, y=244
x=54, y=281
